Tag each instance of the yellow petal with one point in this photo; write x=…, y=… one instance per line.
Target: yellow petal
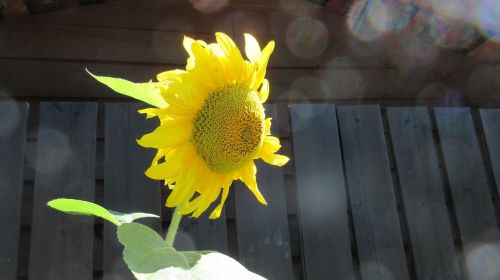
x=274, y=159
x=184, y=186
x=169, y=75
x=261, y=72
x=252, y=49
x=208, y=196
x=172, y=165
x=217, y=211
x=231, y=50
x=264, y=91
x=267, y=130
x=163, y=171
x=247, y=174
x=166, y=136
x=271, y=144
x=187, y=42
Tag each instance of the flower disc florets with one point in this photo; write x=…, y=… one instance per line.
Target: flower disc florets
x=228, y=130
x=212, y=124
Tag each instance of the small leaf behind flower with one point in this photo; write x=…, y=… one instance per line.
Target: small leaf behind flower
x=194, y=256
x=80, y=207
x=146, y=251
x=130, y=217
x=141, y=91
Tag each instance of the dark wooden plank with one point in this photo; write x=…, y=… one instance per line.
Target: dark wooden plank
x=321, y=194
x=141, y=14
x=491, y=124
x=467, y=179
x=126, y=188
x=422, y=193
x=13, y=126
x=61, y=245
x=94, y=44
x=203, y=234
x=287, y=84
x=374, y=211
x=262, y=231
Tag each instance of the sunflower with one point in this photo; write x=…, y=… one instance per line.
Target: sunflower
x=213, y=125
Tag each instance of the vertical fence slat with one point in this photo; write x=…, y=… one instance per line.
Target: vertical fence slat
x=262, y=231
x=374, y=211
x=422, y=193
x=469, y=186
x=321, y=194
x=13, y=118
x=62, y=245
x=203, y=233
x=491, y=124
x=126, y=188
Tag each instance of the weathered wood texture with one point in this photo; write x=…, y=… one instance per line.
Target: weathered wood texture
x=262, y=231
x=352, y=218
x=203, y=234
x=491, y=126
x=330, y=64
x=468, y=182
x=69, y=80
x=321, y=194
x=13, y=126
x=371, y=193
x=422, y=192
x=61, y=245
x=487, y=51
x=126, y=188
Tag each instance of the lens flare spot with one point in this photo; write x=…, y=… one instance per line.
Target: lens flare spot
x=446, y=94
x=375, y=268
x=483, y=261
x=56, y=153
x=305, y=88
x=449, y=33
x=359, y=27
x=487, y=17
x=342, y=79
x=457, y=9
x=9, y=116
x=307, y=37
x=209, y=6
x=389, y=15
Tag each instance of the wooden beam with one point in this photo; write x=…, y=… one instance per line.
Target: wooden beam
x=140, y=14
x=339, y=6
x=44, y=78
x=328, y=49
x=13, y=8
x=488, y=51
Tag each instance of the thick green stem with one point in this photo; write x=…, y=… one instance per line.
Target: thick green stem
x=174, y=226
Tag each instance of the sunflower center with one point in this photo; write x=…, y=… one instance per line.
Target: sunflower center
x=228, y=130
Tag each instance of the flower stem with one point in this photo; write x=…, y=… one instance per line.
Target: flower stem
x=174, y=226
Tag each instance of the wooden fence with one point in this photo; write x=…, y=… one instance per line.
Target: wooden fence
x=371, y=193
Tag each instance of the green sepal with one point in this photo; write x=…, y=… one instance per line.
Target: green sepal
x=141, y=91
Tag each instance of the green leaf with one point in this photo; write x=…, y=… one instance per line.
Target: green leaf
x=130, y=217
x=80, y=207
x=139, y=237
x=192, y=257
x=140, y=91
x=157, y=259
x=146, y=251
